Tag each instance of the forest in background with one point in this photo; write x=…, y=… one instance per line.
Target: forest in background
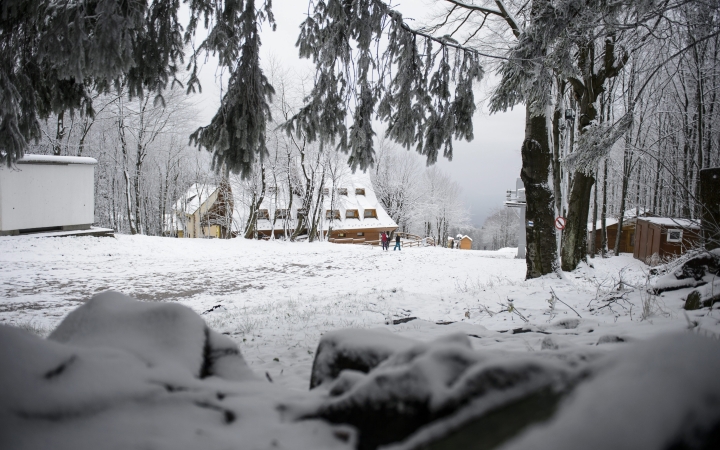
x=629, y=98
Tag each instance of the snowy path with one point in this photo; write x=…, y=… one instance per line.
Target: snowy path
x=277, y=298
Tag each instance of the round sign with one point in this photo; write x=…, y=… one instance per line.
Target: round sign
x=560, y=223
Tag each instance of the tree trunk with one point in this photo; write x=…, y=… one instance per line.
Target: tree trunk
x=627, y=167
x=593, y=240
x=574, y=246
x=603, y=216
x=541, y=256
x=59, y=134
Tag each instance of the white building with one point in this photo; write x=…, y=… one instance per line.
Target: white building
x=48, y=194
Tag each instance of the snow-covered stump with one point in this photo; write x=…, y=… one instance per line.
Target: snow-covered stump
x=118, y=373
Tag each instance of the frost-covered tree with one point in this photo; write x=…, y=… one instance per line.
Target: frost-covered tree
x=371, y=64
x=397, y=183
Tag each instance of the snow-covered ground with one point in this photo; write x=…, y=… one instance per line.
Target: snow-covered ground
x=276, y=299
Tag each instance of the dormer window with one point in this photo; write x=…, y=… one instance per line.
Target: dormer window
x=370, y=214
x=281, y=214
x=342, y=191
x=263, y=214
x=334, y=213
x=359, y=191
x=352, y=214
x=326, y=191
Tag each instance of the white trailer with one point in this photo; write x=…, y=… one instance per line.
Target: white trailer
x=47, y=193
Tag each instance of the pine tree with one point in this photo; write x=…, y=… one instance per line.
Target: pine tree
x=53, y=54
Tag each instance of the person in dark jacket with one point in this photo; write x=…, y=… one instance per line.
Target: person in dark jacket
x=397, y=242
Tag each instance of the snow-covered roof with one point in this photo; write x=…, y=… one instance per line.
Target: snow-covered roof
x=628, y=217
x=342, y=203
x=51, y=159
x=608, y=221
x=672, y=222
x=197, y=193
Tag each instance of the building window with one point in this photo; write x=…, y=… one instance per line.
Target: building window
x=359, y=191
x=272, y=190
x=334, y=213
x=674, y=235
x=370, y=213
x=301, y=212
x=342, y=191
x=326, y=191
x=341, y=234
x=361, y=234
x=281, y=214
x=352, y=214
x=263, y=214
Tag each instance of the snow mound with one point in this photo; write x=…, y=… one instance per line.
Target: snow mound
x=118, y=373
x=354, y=349
x=654, y=395
x=427, y=382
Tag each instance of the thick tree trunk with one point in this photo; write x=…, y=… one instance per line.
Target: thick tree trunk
x=541, y=256
x=574, y=246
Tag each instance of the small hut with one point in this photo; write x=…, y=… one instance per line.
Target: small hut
x=627, y=238
x=465, y=242
x=657, y=238
x=460, y=241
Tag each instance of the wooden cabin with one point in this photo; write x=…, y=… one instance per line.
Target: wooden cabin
x=351, y=214
x=659, y=238
x=461, y=242
x=465, y=243
x=205, y=211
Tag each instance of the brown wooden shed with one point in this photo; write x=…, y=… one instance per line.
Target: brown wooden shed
x=627, y=238
x=658, y=238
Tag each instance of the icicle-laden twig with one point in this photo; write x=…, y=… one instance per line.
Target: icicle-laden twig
x=552, y=292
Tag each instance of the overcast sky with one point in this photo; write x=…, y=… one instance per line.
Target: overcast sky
x=485, y=168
